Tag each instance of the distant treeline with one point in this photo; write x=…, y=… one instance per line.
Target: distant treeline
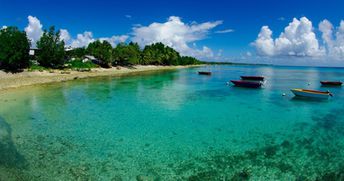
x=51, y=53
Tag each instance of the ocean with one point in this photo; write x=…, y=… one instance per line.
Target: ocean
x=175, y=125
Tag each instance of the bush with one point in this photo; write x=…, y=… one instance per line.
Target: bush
x=33, y=68
x=78, y=64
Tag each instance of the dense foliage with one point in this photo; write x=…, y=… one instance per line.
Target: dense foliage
x=77, y=52
x=159, y=54
x=186, y=60
x=131, y=54
x=127, y=54
x=51, y=53
x=51, y=49
x=14, y=49
x=102, y=51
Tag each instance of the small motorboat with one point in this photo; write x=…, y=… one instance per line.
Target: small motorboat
x=331, y=83
x=204, y=73
x=311, y=93
x=249, y=84
x=256, y=78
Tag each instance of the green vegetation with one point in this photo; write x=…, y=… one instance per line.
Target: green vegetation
x=186, y=60
x=159, y=54
x=34, y=67
x=77, y=52
x=102, y=51
x=131, y=54
x=79, y=65
x=14, y=49
x=126, y=54
x=51, y=53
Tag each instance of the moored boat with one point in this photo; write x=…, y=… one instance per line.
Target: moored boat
x=204, y=73
x=256, y=78
x=331, y=83
x=249, y=84
x=311, y=93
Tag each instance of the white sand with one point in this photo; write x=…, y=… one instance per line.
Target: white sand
x=9, y=80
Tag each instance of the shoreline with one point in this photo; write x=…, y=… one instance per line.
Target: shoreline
x=26, y=78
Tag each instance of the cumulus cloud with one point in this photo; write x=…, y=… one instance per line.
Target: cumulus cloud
x=173, y=33
x=333, y=38
x=114, y=40
x=34, y=30
x=64, y=35
x=298, y=39
x=176, y=34
x=225, y=31
x=264, y=43
x=82, y=40
x=3, y=27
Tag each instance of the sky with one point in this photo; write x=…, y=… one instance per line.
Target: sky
x=292, y=32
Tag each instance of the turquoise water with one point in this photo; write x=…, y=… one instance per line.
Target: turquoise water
x=175, y=125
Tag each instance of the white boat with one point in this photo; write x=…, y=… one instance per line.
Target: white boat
x=311, y=93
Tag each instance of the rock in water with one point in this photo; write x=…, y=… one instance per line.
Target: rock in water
x=145, y=178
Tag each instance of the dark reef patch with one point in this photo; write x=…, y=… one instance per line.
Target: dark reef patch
x=333, y=121
x=296, y=157
x=9, y=155
x=332, y=176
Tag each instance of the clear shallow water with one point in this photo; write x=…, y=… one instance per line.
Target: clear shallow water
x=174, y=125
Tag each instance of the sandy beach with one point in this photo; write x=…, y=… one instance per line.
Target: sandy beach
x=26, y=78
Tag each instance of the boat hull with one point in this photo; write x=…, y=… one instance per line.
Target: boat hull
x=247, y=84
x=311, y=94
x=204, y=73
x=256, y=78
x=330, y=83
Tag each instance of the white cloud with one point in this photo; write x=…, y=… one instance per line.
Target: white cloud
x=264, y=43
x=333, y=38
x=86, y=38
x=128, y=16
x=298, y=39
x=3, y=27
x=173, y=33
x=34, y=30
x=65, y=36
x=176, y=34
x=114, y=40
x=225, y=31
x=326, y=28
x=82, y=40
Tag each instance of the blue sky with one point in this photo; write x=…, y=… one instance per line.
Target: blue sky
x=108, y=18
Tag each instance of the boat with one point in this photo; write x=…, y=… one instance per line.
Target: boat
x=204, y=73
x=256, y=78
x=312, y=93
x=249, y=84
x=331, y=83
